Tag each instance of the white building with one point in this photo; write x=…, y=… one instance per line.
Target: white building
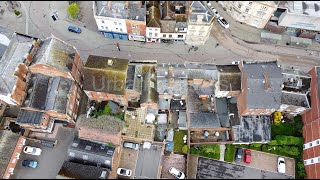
x=153, y=26
x=110, y=17
x=300, y=14
x=253, y=13
x=199, y=23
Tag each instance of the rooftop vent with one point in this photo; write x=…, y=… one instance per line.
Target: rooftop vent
x=110, y=62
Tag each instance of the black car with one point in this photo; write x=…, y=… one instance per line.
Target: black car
x=239, y=155
x=30, y=163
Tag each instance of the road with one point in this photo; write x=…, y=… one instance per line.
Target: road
x=90, y=41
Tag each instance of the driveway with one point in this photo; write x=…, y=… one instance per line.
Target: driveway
x=149, y=163
x=213, y=169
x=270, y=162
x=128, y=160
x=49, y=162
x=175, y=160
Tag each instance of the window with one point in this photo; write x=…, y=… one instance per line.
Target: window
x=102, y=27
x=250, y=3
x=88, y=148
x=107, y=162
x=263, y=8
x=115, y=23
x=106, y=27
x=117, y=28
x=72, y=154
x=239, y=5
x=85, y=157
x=170, y=35
x=121, y=30
x=247, y=10
x=150, y=33
x=317, y=142
x=305, y=162
x=180, y=36
x=102, y=21
x=164, y=35
x=75, y=144
x=310, y=144
x=311, y=160
x=119, y=23
x=304, y=146
x=156, y=34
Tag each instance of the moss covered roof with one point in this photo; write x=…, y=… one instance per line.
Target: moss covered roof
x=101, y=77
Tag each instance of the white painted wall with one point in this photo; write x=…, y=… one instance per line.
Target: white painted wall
x=174, y=36
x=111, y=24
x=153, y=32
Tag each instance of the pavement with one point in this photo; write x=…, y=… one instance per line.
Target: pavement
x=128, y=160
x=214, y=169
x=148, y=163
x=222, y=151
x=51, y=159
x=90, y=41
x=175, y=160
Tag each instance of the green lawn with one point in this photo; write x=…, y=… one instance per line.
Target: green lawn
x=229, y=153
x=210, y=151
x=178, y=141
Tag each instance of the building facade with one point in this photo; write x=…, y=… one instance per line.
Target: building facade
x=199, y=22
x=153, y=28
x=253, y=13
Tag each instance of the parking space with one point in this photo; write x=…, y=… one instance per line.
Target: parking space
x=128, y=160
x=268, y=162
x=175, y=160
x=213, y=169
x=148, y=163
x=50, y=160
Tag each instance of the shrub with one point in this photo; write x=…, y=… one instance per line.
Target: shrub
x=206, y=151
x=289, y=140
x=290, y=150
x=300, y=170
x=214, y=149
x=73, y=10
x=16, y=12
x=185, y=149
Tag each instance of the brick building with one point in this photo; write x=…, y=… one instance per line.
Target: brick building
x=260, y=88
x=311, y=133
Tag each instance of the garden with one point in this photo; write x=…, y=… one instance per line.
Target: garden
x=208, y=150
x=178, y=143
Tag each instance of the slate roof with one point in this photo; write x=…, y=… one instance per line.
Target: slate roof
x=48, y=93
x=182, y=120
x=222, y=111
x=229, y=77
x=295, y=99
x=29, y=117
x=13, y=55
x=202, y=71
x=91, y=153
x=164, y=104
x=119, y=10
x=8, y=142
x=253, y=129
x=134, y=77
x=198, y=8
x=168, y=26
x=80, y=171
x=56, y=53
x=101, y=77
x=204, y=120
x=153, y=18
x=258, y=97
x=168, y=11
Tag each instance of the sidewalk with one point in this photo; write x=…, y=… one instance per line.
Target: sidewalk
x=222, y=151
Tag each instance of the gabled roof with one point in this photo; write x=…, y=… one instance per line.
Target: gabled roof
x=81, y=171
x=149, y=84
x=56, y=53
x=153, y=17
x=29, y=117
x=264, y=81
x=198, y=9
x=168, y=11
x=48, y=93
x=100, y=76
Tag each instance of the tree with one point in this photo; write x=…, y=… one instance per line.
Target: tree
x=73, y=10
x=185, y=149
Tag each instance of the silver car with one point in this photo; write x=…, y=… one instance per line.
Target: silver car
x=131, y=145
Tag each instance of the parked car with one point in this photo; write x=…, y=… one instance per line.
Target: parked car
x=281, y=165
x=235, y=62
x=131, y=145
x=176, y=173
x=223, y=22
x=124, y=172
x=29, y=163
x=32, y=150
x=247, y=156
x=74, y=29
x=215, y=12
x=239, y=154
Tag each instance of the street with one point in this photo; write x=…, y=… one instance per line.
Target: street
x=40, y=23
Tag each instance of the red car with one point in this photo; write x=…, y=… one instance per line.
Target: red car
x=247, y=156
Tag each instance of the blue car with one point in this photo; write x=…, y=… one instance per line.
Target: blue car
x=30, y=163
x=74, y=29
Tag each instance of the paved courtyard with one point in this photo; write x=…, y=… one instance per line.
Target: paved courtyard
x=175, y=160
x=148, y=164
x=128, y=160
